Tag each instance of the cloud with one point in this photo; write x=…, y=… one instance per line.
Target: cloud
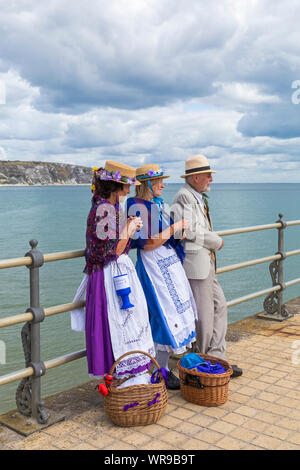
x=153, y=80
x=127, y=55
x=242, y=94
x=281, y=121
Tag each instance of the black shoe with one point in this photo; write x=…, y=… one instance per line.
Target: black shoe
x=173, y=381
x=237, y=372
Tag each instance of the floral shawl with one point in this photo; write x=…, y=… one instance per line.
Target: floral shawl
x=102, y=234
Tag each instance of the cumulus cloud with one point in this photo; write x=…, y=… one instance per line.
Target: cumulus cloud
x=152, y=80
x=126, y=54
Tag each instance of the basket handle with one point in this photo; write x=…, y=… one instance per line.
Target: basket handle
x=132, y=352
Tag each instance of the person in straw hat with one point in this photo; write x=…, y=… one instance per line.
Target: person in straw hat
x=171, y=305
x=200, y=245
x=111, y=331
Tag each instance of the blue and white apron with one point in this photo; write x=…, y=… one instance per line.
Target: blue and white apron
x=169, y=297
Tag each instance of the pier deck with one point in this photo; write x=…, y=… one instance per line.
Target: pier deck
x=262, y=412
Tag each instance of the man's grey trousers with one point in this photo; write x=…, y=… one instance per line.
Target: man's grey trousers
x=211, y=325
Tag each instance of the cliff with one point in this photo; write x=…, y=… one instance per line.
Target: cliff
x=31, y=173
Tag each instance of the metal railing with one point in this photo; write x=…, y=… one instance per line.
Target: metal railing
x=28, y=396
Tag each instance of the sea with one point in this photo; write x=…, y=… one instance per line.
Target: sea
x=56, y=217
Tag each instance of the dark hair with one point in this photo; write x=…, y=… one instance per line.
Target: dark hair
x=105, y=188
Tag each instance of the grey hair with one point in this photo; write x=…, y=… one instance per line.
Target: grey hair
x=189, y=179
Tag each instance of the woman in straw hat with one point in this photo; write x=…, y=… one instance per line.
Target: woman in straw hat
x=110, y=329
x=169, y=297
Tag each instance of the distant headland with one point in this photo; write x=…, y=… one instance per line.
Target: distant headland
x=42, y=173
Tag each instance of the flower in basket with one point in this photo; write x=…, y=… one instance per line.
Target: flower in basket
x=108, y=379
x=102, y=388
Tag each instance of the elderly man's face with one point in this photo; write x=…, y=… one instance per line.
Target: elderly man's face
x=201, y=182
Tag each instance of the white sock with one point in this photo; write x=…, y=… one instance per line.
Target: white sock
x=162, y=358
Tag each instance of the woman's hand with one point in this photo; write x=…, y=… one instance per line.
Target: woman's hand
x=134, y=224
x=180, y=225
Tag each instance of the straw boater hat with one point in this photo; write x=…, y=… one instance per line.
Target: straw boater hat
x=150, y=172
x=196, y=165
x=118, y=172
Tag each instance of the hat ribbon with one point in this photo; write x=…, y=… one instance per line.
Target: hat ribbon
x=151, y=174
x=157, y=200
x=201, y=168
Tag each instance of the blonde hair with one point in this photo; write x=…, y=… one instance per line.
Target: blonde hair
x=143, y=191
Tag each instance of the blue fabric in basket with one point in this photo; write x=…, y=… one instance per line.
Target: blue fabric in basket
x=209, y=368
x=191, y=360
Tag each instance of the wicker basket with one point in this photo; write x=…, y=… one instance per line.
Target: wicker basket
x=116, y=403
x=205, y=389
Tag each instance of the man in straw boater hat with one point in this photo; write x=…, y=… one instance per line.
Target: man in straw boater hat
x=200, y=245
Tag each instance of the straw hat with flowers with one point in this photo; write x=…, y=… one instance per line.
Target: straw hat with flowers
x=148, y=172
x=116, y=171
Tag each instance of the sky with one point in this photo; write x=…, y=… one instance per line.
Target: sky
x=153, y=81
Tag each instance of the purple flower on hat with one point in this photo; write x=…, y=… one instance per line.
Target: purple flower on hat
x=150, y=173
x=117, y=176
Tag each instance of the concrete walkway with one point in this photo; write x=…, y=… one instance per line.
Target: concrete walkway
x=262, y=412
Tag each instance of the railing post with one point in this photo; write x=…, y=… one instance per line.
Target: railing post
x=274, y=307
x=28, y=396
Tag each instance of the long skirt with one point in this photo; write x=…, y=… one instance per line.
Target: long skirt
x=109, y=330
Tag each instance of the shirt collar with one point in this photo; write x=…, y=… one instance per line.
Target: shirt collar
x=198, y=195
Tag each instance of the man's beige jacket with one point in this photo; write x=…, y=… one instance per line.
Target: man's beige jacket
x=200, y=240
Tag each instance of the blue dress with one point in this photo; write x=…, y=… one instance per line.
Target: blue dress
x=170, y=301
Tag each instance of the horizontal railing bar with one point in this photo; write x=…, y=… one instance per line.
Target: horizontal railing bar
x=58, y=361
x=63, y=308
x=63, y=255
x=293, y=282
x=15, y=262
x=293, y=253
x=253, y=262
x=293, y=222
x=245, y=264
x=255, y=228
x=26, y=260
x=15, y=319
x=254, y=295
x=28, y=372
x=20, y=374
x=24, y=317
